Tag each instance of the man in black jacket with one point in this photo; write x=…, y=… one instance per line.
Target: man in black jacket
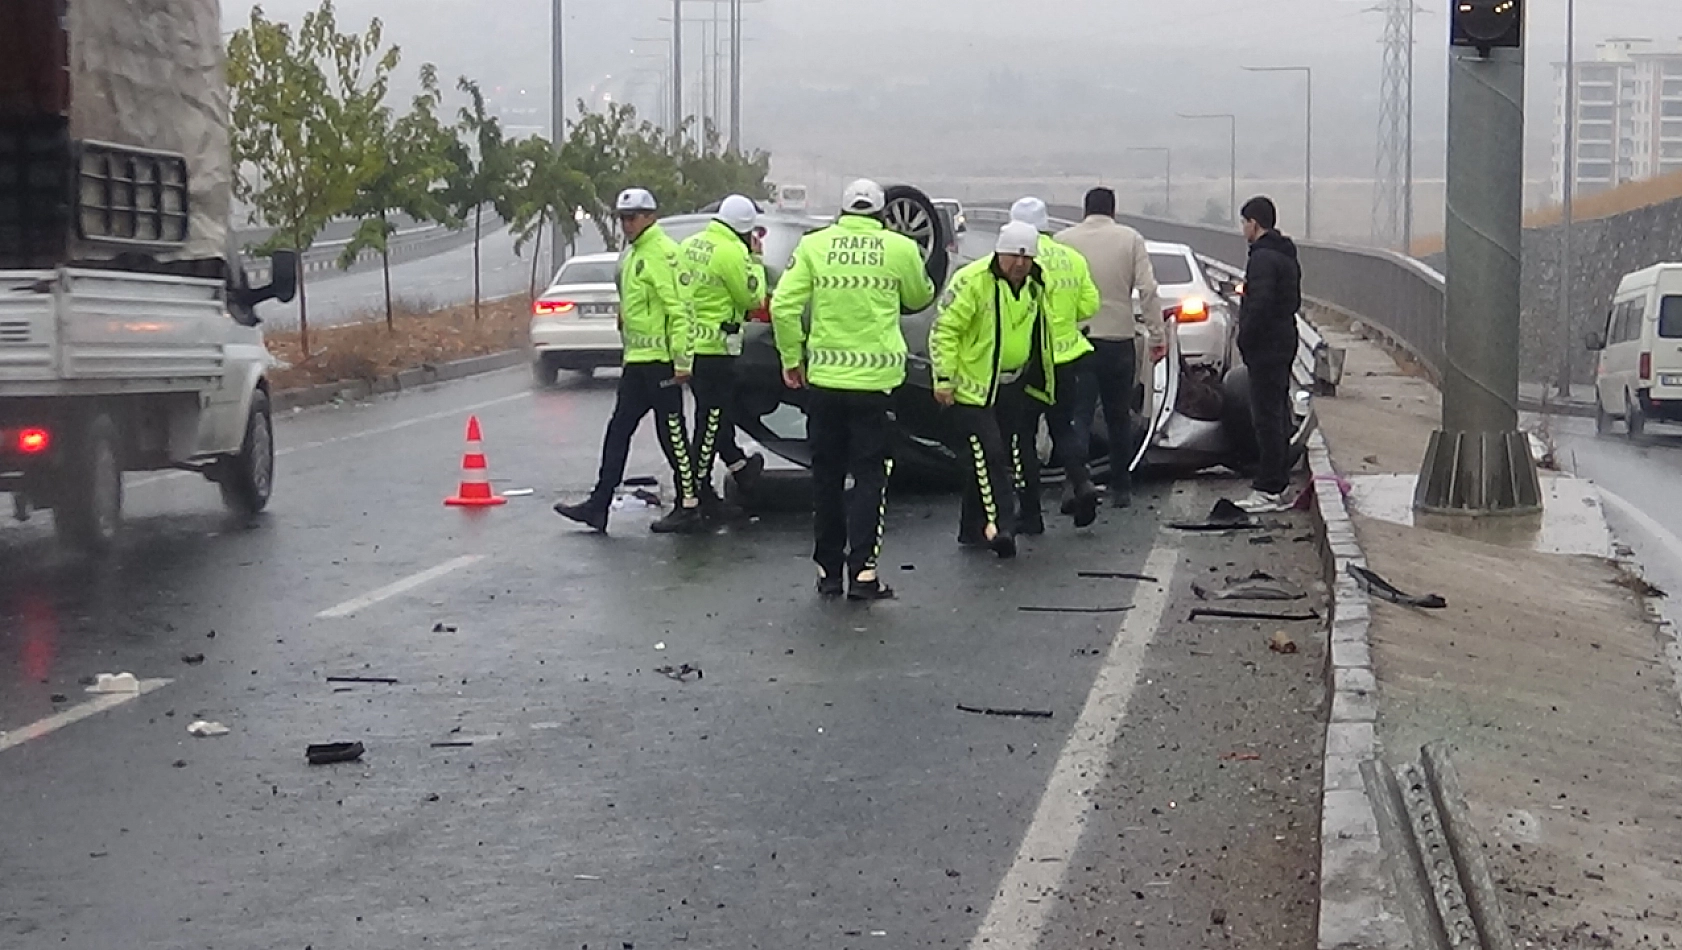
x=1267, y=339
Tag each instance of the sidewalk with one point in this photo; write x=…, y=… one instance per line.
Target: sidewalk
x=1545, y=674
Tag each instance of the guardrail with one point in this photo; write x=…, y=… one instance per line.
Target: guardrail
x=1393, y=294
x=407, y=244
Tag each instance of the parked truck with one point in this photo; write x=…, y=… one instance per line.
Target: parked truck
x=128, y=335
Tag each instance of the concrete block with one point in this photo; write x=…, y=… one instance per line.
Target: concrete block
x=1350, y=706
x=1354, y=680
x=1352, y=652
x=1356, y=740
x=1346, y=814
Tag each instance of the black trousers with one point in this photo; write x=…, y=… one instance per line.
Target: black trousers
x=1270, y=408
x=1114, y=367
x=645, y=388
x=714, y=385
x=1067, y=450
x=849, y=435
x=993, y=443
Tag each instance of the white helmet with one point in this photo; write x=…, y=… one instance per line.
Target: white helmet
x=738, y=213
x=1019, y=238
x=863, y=197
x=1031, y=211
x=634, y=201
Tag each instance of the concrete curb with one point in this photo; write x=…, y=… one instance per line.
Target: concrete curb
x=1357, y=896
x=353, y=390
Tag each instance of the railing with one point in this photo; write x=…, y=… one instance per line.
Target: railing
x=1393, y=294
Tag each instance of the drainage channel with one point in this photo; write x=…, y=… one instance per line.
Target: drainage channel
x=1435, y=856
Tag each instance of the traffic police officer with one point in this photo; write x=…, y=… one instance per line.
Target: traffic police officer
x=726, y=279
x=857, y=277
x=1071, y=299
x=654, y=322
x=992, y=352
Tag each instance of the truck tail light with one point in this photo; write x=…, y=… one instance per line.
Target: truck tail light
x=1646, y=367
x=34, y=441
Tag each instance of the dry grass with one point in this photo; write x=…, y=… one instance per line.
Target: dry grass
x=1619, y=200
x=422, y=335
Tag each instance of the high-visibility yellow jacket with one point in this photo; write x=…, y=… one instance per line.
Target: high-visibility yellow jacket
x=982, y=321
x=654, y=314
x=1071, y=298
x=725, y=281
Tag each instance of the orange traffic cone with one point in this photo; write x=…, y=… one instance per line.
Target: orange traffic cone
x=475, y=490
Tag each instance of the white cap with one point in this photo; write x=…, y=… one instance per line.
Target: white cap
x=1019, y=238
x=633, y=200
x=738, y=213
x=863, y=197
x=1031, y=211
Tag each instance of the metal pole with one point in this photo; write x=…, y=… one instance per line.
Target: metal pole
x=677, y=70
x=557, y=107
x=1479, y=463
x=1232, y=198
x=736, y=76
x=1407, y=178
x=1168, y=182
x=1308, y=149
x=1568, y=173
x=706, y=97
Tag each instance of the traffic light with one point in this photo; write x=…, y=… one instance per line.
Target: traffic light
x=1488, y=24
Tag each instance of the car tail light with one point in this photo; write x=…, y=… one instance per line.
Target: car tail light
x=552, y=308
x=1646, y=367
x=34, y=441
x=759, y=315
x=1192, y=310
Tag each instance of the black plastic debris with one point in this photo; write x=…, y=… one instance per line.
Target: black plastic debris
x=1258, y=586
x=327, y=753
x=453, y=744
x=1014, y=713
x=1228, y=512
x=646, y=497
x=1220, y=613
x=642, y=481
x=443, y=628
x=60, y=698
x=680, y=673
x=1384, y=590
x=1075, y=610
x=388, y=680
x=1117, y=576
x=192, y=659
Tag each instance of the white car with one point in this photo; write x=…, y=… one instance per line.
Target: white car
x=575, y=322
x=1196, y=304
x=960, y=224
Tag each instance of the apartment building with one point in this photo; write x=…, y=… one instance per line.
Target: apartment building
x=1629, y=115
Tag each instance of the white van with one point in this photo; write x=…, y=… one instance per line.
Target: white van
x=1639, y=375
x=792, y=198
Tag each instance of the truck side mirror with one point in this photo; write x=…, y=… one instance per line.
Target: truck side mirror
x=1594, y=341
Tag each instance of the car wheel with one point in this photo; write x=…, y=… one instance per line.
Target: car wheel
x=543, y=371
x=88, y=509
x=910, y=212
x=248, y=478
x=1634, y=422
x=1602, y=418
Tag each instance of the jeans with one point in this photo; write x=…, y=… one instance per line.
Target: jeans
x=1114, y=370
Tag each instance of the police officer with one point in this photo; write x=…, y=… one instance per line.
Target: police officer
x=726, y=279
x=654, y=322
x=991, y=347
x=1071, y=299
x=857, y=277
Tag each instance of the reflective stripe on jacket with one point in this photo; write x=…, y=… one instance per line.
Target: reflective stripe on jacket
x=654, y=312
x=978, y=308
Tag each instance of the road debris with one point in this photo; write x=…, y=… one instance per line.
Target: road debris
x=519, y=492
x=1075, y=610
x=1241, y=756
x=1260, y=585
x=60, y=698
x=453, y=744
x=443, y=628
x=586, y=877
x=327, y=753
x=192, y=659
x=1281, y=642
x=1217, y=917
x=115, y=683
x=680, y=673
x=660, y=646
x=642, y=481
x=1016, y=713
x=201, y=729
x=1117, y=576
x=387, y=680
x=1384, y=590
x=1222, y=613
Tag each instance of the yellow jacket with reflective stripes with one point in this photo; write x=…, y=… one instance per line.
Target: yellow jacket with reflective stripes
x=654, y=314
x=1071, y=298
x=975, y=312
x=858, y=278
x=725, y=281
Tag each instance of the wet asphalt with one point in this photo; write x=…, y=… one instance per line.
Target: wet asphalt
x=530, y=780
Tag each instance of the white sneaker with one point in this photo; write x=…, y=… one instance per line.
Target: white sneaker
x=1261, y=503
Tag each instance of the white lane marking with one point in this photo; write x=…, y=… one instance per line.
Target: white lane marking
x=1661, y=534
x=352, y=437
x=399, y=587
x=77, y=713
x=1024, y=899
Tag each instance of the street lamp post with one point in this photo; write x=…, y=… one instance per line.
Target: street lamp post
x=1167, y=174
x=1232, y=128
x=557, y=106
x=674, y=116
x=1568, y=178
x=1308, y=149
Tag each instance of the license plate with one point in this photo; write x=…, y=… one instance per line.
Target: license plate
x=608, y=310
x=1670, y=379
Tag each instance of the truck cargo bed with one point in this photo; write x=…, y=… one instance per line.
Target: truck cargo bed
x=75, y=331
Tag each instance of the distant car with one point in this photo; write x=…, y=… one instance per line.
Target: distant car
x=575, y=322
x=792, y=199
x=960, y=224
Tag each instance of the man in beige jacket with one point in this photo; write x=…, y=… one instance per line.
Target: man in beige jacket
x=1120, y=265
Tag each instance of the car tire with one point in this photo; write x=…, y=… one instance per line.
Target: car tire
x=88, y=507
x=909, y=211
x=544, y=371
x=1634, y=422
x=1602, y=418
x=248, y=478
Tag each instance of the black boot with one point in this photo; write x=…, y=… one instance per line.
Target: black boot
x=680, y=520
x=872, y=589
x=1004, y=545
x=591, y=513
x=716, y=510
x=1030, y=522
x=1081, y=501
x=748, y=477
x=830, y=585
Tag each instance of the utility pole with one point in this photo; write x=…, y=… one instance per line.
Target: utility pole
x=557, y=107
x=1393, y=198
x=677, y=69
x=736, y=76
x=1478, y=463
x=1568, y=177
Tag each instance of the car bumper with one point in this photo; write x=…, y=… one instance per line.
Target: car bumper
x=575, y=335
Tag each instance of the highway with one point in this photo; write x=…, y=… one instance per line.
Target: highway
x=531, y=779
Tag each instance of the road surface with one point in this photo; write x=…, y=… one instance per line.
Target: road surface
x=1639, y=480
x=531, y=780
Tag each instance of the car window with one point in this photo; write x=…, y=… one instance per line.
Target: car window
x=1670, y=318
x=588, y=272
x=1172, y=268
